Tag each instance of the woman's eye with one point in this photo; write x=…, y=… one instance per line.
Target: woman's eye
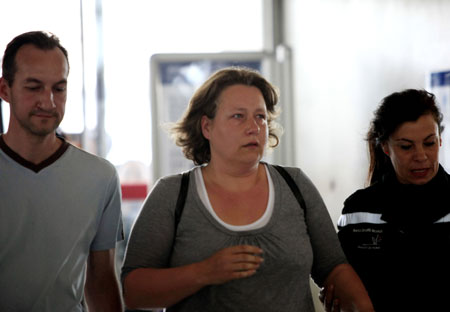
x=405, y=147
x=262, y=116
x=429, y=143
x=237, y=116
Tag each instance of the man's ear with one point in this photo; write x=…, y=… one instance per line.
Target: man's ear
x=206, y=125
x=4, y=90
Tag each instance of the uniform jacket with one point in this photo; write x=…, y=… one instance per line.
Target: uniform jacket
x=397, y=237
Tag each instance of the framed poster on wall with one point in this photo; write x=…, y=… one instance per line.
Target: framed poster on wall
x=439, y=85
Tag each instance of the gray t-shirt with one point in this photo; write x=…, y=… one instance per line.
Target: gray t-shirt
x=49, y=222
x=293, y=248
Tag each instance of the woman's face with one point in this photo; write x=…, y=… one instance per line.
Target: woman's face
x=238, y=133
x=414, y=150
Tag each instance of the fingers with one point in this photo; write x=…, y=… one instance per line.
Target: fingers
x=246, y=260
x=327, y=297
x=250, y=265
x=245, y=249
x=233, y=263
x=243, y=274
x=245, y=255
x=336, y=305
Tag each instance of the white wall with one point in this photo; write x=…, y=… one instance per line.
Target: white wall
x=347, y=56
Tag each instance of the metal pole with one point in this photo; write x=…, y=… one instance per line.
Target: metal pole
x=281, y=76
x=100, y=90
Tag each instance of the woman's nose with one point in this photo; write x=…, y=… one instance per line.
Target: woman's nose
x=253, y=127
x=420, y=154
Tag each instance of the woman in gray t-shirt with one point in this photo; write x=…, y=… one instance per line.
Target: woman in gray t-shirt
x=243, y=242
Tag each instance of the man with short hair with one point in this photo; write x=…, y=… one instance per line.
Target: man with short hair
x=60, y=214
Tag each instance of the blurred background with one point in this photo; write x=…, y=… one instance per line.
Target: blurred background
x=134, y=65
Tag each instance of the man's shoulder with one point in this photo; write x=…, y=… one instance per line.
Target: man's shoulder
x=83, y=155
x=84, y=160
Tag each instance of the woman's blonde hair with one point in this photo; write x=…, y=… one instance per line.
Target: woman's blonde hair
x=187, y=132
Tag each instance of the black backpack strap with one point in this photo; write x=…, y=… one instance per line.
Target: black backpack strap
x=184, y=186
x=293, y=186
x=182, y=194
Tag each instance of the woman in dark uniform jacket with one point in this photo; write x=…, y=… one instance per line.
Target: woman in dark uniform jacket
x=396, y=232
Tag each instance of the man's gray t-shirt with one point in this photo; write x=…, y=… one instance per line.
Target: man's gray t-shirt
x=50, y=219
x=293, y=249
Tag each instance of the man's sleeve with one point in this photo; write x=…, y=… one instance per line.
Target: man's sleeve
x=110, y=228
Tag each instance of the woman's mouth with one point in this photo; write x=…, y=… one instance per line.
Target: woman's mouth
x=420, y=173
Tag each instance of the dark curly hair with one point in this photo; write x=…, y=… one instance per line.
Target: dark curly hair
x=187, y=132
x=394, y=110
